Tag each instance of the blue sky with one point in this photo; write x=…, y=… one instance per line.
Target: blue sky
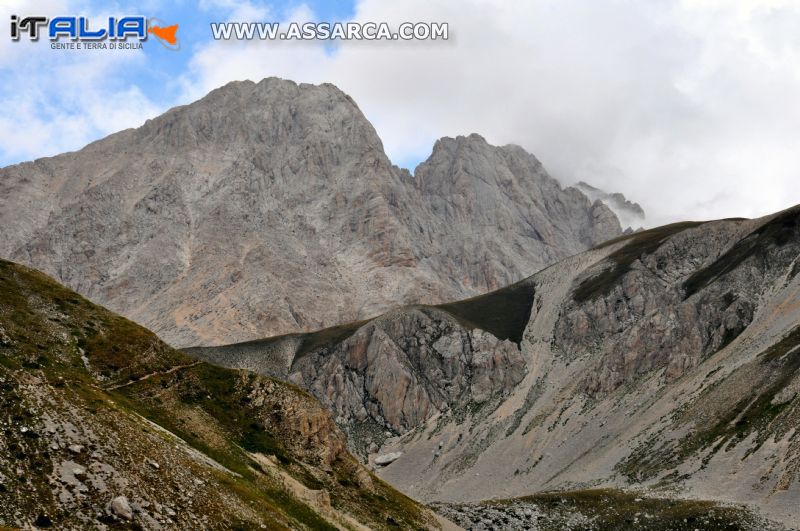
x=690, y=107
x=155, y=75
x=156, y=78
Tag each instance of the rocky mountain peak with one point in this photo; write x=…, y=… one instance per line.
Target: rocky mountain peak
x=631, y=215
x=245, y=114
x=473, y=158
x=196, y=223
x=468, y=180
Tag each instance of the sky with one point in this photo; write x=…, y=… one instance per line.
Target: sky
x=691, y=108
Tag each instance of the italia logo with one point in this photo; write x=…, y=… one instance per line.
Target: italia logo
x=78, y=29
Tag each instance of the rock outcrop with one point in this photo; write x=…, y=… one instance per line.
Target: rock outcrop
x=499, y=213
x=272, y=208
x=402, y=368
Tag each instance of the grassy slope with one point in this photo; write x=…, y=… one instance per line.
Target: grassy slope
x=224, y=414
x=776, y=233
x=638, y=244
x=309, y=341
x=608, y=509
x=503, y=313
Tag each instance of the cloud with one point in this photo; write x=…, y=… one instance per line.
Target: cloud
x=53, y=101
x=690, y=108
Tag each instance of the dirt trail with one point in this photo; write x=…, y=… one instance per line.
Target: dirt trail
x=156, y=373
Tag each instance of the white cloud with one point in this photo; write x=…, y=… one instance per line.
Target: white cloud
x=53, y=101
x=691, y=108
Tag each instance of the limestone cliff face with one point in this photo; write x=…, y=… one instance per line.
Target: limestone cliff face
x=406, y=366
x=667, y=358
x=663, y=311
x=501, y=212
x=271, y=207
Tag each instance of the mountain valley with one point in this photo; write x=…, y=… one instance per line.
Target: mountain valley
x=339, y=343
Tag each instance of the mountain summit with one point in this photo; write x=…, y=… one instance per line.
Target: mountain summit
x=630, y=214
x=271, y=207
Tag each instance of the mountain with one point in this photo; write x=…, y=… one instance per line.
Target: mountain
x=272, y=208
x=105, y=426
x=630, y=214
x=666, y=360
